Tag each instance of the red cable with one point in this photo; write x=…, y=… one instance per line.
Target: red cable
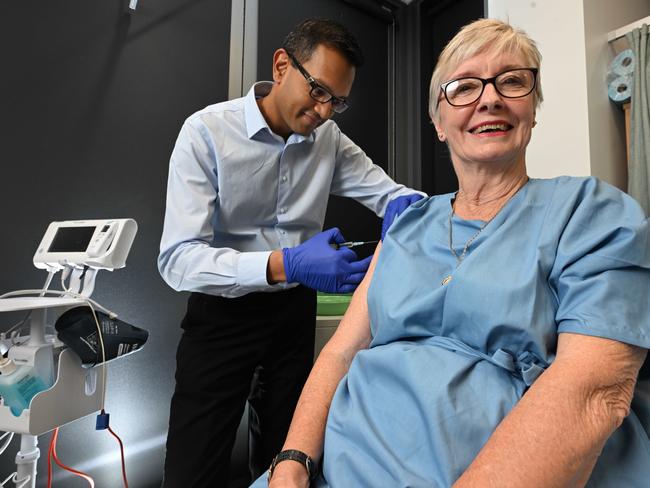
x=49, y=459
x=126, y=483
x=51, y=453
x=67, y=468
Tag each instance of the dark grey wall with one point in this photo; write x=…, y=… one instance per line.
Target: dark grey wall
x=366, y=122
x=440, y=21
x=92, y=101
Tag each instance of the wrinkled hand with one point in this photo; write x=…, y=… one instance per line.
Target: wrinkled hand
x=316, y=264
x=395, y=208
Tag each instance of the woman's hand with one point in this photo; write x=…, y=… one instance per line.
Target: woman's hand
x=289, y=474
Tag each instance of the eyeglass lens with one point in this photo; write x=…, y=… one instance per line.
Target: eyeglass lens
x=321, y=95
x=511, y=84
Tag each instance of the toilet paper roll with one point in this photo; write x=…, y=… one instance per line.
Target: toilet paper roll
x=620, y=90
x=611, y=76
x=623, y=64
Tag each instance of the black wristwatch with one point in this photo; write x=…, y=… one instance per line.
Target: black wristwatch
x=294, y=455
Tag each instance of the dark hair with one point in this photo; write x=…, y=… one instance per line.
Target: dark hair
x=303, y=40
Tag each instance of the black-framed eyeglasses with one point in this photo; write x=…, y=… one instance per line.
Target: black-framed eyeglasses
x=317, y=91
x=513, y=83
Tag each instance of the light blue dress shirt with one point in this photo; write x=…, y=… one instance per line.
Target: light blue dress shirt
x=237, y=191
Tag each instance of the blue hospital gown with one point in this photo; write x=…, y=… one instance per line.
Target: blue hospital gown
x=448, y=362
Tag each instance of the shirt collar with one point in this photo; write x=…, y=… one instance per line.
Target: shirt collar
x=255, y=121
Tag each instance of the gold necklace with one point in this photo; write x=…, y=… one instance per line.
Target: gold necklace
x=459, y=258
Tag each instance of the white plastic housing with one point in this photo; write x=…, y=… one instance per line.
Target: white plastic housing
x=76, y=392
x=99, y=244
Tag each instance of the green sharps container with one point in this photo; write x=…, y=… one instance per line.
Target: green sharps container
x=329, y=304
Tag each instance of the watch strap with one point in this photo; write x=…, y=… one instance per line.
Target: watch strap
x=298, y=456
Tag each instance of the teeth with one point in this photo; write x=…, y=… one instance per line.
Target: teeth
x=487, y=127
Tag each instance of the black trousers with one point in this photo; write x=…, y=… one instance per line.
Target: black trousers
x=258, y=347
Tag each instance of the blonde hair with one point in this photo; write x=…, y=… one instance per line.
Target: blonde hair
x=482, y=35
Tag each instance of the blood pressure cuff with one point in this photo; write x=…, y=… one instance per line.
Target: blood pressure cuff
x=77, y=329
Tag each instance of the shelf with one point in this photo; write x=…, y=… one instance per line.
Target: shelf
x=620, y=32
x=29, y=303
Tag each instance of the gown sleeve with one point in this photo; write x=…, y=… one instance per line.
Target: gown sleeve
x=601, y=273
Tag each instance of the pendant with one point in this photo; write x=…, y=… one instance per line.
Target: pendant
x=446, y=280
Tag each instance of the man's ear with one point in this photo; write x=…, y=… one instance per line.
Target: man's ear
x=281, y=63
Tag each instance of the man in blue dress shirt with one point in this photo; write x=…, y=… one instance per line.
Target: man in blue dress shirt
x=249, y=182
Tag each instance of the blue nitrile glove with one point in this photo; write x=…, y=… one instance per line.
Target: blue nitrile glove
x=316, y=264
x=394, y=208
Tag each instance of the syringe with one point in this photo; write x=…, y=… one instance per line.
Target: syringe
x=351, y=244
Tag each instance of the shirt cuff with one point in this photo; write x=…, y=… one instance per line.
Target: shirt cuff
x=251, y=269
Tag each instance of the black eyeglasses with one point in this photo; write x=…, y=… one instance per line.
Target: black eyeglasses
x=319, y=92
x=513, y=83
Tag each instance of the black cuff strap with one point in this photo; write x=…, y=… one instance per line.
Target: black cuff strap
x=295, y=455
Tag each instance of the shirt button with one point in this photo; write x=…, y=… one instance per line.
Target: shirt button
x=283, y=210
x=284, y=179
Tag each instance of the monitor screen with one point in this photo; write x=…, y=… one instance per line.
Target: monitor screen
x=71, y=239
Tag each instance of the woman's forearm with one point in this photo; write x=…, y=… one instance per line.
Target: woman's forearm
x=307, y=430
x=308, y=425
x=546, y=441
x=554, y=435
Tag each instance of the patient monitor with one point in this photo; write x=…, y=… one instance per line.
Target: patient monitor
x=78, y=249
x=81, y=247
x=101, y=244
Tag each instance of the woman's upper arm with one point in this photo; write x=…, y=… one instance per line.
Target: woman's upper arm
x=353, y=333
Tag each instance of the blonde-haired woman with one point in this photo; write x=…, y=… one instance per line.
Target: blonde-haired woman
x=498, y=336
